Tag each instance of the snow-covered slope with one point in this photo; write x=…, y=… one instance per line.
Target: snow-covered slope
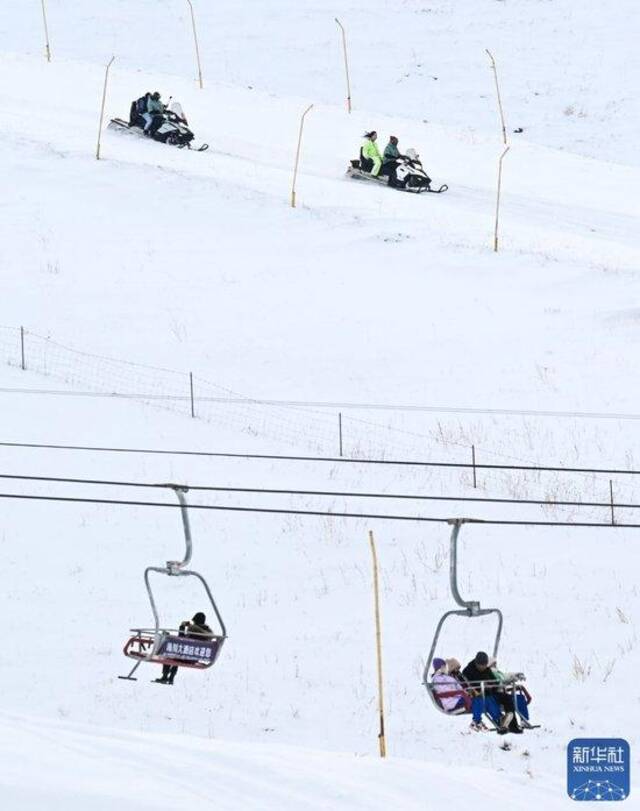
x=135, y=771
x=197, y=262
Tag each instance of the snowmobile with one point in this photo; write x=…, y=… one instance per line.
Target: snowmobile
x=410, y=175
x=173, y=129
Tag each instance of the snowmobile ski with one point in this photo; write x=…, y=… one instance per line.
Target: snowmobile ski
x=416, y=182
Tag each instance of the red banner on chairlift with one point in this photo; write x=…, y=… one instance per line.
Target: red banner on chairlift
x=190, y=650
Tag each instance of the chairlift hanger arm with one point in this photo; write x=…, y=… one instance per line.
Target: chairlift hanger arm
x=174, y=566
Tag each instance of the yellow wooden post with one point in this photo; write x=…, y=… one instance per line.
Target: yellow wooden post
x=46, y=31
x=297, y=161
x=346, y=62
x=104, y=99
x=495, y=232
x=495, y=76
x=195, y=39
x=382, y=741
x=503, y=129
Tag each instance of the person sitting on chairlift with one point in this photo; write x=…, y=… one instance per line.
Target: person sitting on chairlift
x=477, y=672
x=506, y=679
x=444, y=682
x=477, y=703
x=195, y=628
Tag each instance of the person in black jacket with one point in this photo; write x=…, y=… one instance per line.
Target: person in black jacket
x=195, y=628
x=477, y=672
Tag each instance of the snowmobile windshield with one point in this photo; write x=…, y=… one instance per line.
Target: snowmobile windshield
x=176, y=107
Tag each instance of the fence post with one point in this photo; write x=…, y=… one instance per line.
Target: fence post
x=340, y=430
x=104, y=99
x=23, y=365
x=382, y=741
x=613, y=519
x=46, y=31
x=193, y=406
x=473, y=462
x=195, y=39
x=295, y=167
x=346, y=62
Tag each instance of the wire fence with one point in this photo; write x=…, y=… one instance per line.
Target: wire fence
x=324, y=432
x=179, y=392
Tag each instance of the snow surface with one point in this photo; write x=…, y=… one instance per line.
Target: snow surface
x=196, y=262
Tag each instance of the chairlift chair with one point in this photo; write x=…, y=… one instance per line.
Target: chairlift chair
x=470, y=609
x=168, y=646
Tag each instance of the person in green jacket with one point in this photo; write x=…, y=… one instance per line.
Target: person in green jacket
x=391, y=151
x=153, y=115
x=390, y=160
x=370, y=157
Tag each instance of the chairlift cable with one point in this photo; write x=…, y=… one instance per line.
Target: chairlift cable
x=319, y=513
x=329, y=459
x=324, y=493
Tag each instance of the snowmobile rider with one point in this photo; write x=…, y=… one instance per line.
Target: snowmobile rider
x=154, y=114
x=370, y=157
x=390, y=159
x=391, y=151
x=196, y=628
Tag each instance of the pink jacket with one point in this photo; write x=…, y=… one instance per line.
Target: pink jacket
x=442, y=683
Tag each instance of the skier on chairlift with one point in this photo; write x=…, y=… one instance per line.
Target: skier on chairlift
x=195, y=628
x=478, y=671
x=504, y=678
x=448, y=679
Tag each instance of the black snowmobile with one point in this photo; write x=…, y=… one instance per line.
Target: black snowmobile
x=410, y=174
x=169, y=127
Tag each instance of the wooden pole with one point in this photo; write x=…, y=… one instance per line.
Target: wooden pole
x=495, y=76
x=503, y=130
x=382, y=741
x=195, y=39
x=46, y=31
x=295, y=168
x=495, y=232
x=104, y=99
x=346, y=62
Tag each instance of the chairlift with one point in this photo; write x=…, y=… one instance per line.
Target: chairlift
x=168, y=646
x=470, y=609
